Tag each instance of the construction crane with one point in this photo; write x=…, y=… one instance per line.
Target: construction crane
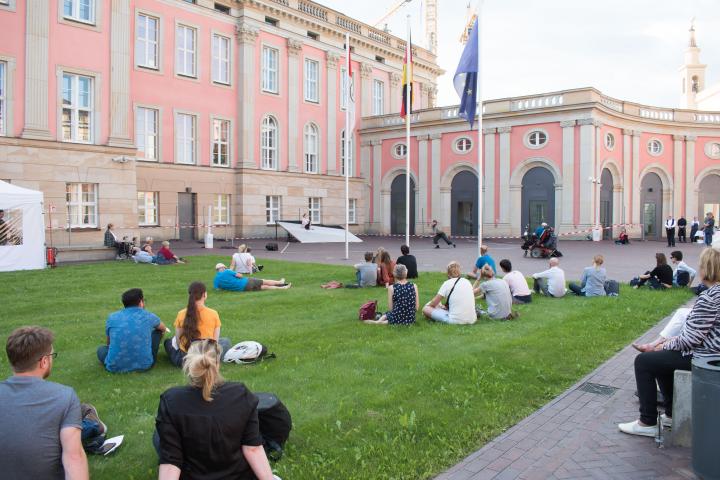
x=431, y=20
x=391, y=12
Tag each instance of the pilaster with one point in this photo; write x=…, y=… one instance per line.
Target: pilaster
x=294, y=47
x=678, y=189
x=691, y=194
x=587, y=170
x=628, y=181
x=377, y=183
x=435, y=152
x=568, y=175
x=421, y=209
x=636, y=177
x=120, y=41
x=246, y=37
x=395, y=100
x=331, y=63
x=366, y=89
x=37, y=41
x=504, y=186
x=488, y=195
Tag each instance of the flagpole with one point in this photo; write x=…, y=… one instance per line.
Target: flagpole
x=408, y=96
x=480, y=129
x=346, y=142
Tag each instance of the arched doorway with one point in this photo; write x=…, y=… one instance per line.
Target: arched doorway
x=397, y=205
x=463, y=201
x=538, y=198
x=709, y=197
x=651, y=198
x=606, y=203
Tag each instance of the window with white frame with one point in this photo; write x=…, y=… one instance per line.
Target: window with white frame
x=221, y=210
x=399, y=150
x=655, y=147
x=352, y=209
x=312, y=148
x=82, y=204
x=221, y=59
x=77, y=108
x=536, y=138
x=312, y=80
x=269, y=143
x=185, y=138
x=314, y=209
x=147, y=41
x=221, y=142
x=3, y=101
x=378, y=97
x=343, y=156
x=79, y=10
x=148, y=208
x=272, y=209
x=712, y=150
x=185, y=49
x=146, y=133
x=609, y=141
x=344, y=82
x=463, y=145
x=270, y=58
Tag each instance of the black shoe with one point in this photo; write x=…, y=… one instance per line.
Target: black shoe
x=437, y=246
x=454, y=245
x=260, y=267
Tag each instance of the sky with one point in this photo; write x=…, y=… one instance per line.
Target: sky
x=627, y=49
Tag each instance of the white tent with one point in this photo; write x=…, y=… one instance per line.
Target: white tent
x=22, y=229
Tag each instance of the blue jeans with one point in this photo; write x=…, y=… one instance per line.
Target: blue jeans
x=708, y=238
x=154, y=345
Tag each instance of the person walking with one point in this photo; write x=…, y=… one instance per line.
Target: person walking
x=709, y=228
x=439, y=235
x=682, y=224
x=670, y=231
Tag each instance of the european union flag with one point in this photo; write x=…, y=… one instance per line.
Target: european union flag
x=466, y=75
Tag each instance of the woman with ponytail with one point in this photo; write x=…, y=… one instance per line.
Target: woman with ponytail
x=195, y=322
x=209, y=429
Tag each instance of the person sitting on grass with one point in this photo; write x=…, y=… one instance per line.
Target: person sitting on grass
x=516, y=281
x=403, y=300
x=550, y=282
x=133, y=336
x=166, y=256
x=593, y=279
x=226, y=279
x=684, y=274
x=40, y=421
x=141, y=256
x=367, y=272
x=209, y=428
x=244, y=262
x=483, y=259
x=385, y=273
x=148, y=246
x=195, y=322
x=408, y=260
x=459, y=300
x=699, y=338
x=496, y=293
x=660, y=277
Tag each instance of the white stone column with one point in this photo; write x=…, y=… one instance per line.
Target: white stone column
x=294, y=47
x=587, y=170
x=246, y=127
x=435, y=152
x=568, y=175
x=636, y=207
x=489, y=179
x=421, y=208
x=678, y=176
x=366, y=90
x=506, y=224
x=120, y=42
x=628, y=180
x=691, y=193
x=395, y=99
x=331, y=62
x=365, y=154
x=37, y=31
x=377, y=217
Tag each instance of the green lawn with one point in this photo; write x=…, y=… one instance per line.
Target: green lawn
x=368, y=402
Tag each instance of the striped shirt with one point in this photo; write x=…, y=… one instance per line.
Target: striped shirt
x=700, y=337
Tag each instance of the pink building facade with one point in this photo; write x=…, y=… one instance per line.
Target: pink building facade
x=165, y=116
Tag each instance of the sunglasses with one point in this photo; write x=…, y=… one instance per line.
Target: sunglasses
x=53, y=355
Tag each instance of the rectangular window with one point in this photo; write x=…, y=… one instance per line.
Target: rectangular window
x=312, y=81
x=146, y=41
x=344, y=81
x=221, y=212
x=77, y=108
x=270, y=69
x=221, y=59
x=185, y=38
x=378, y=97
x=148, y=208
x=3, y=101
x=352, y=209
x=272, y=209
x=349, y=157
x=222, y=8
x=79, y=10
x=185, y=138
x=146, y=133
x=82, y=205
x=221, y=142
x=314, y=209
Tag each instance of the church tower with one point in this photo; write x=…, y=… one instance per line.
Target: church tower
x=692, y=73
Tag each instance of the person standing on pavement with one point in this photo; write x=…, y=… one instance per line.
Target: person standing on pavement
x=682, y=224
x=694, y=227
x=670, y=230
x=709, y=229
x=439, y=235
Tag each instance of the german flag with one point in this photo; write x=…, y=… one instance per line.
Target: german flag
x=407, y=78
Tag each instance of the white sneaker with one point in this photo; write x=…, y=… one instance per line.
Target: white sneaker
x=634, y=428
x=666, y=421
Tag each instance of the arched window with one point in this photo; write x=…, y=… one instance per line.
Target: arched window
x=349, y=156
x=463, y=145
x=536, y=139
x=399, y=150
x=655, y=147
x=269, y=143
x=609, y=141
x=312, y=148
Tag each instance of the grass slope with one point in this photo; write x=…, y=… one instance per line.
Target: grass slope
x=367, y=401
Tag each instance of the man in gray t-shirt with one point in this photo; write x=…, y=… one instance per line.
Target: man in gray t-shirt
x=497, y=294
x=367, y=272
x=40, y=421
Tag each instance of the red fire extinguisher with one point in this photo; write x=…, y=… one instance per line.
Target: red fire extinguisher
x=51, y=256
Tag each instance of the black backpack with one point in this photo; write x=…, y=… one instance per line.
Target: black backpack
x=612, y=288
x=683, y=278
x=275, y=424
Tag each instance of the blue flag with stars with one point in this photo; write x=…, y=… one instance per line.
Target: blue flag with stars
x=465, y=79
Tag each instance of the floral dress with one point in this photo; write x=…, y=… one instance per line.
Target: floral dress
x=403, y=312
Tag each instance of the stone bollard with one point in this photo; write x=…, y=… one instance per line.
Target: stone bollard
x=681, y=432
